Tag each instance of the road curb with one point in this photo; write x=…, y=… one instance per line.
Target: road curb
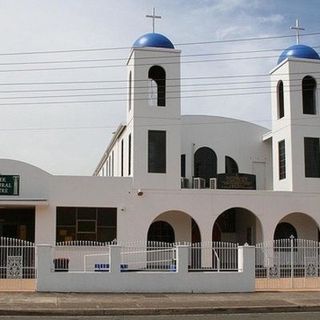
x=155, y=311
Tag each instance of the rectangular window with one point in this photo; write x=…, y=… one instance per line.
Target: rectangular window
x=282, y=160
x=122, y=158
x=112, y=164
x=96, y=224
x=157, y=151
x=183, y=165
x=312, y=157
x=129, y=155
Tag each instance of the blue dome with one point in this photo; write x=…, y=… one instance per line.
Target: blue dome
x=299, y=51
x=153, y=40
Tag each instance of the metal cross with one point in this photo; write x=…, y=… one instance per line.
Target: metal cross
x=297, y=28
x=154, y=17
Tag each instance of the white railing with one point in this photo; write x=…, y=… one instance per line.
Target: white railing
x=81, y=256
x=288, y=258
x=213, y=256
x=151, y=255
x=88, y=256
x=17, y=259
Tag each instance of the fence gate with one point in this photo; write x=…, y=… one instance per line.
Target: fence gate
x=17, y=265
x=288, y=264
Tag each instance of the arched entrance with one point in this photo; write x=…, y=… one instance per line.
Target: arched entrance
x=174, y=226
x=298, y=224
x=161, y=231
x=285, y=230
x=237, y=225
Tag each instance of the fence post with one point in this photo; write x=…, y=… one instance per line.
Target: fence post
x=246, y=258
x=43, y=265
x=115, y=258
x=182, y=258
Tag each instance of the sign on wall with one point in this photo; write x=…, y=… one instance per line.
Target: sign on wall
x=9, y=185
x=240, y=181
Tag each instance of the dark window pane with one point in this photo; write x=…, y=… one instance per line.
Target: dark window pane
x=107, y=217
x=129, y=155
x=157, y=151
x=205, y=164
x=282, y=160
x=66, y=233
x=86, y=226
x=86, y=213
x=183, y=165
x=231, y=166
x=66, y=216
x=309, y=95
x=106, y=234
x=122, y=158
x=280, y=100
x=312, y=157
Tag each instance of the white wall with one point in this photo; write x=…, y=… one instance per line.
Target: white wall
x=147, y=282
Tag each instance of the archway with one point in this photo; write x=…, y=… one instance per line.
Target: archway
x=180, y=224
x=285, y=230
x=237, y=225
x=161, y=231
x=205, y=164
x=298, y=224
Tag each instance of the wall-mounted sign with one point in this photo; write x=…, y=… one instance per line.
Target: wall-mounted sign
x=240, y=181
x=9, y=185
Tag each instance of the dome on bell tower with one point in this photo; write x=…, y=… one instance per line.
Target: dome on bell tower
x=298, y=51
x=155, y=40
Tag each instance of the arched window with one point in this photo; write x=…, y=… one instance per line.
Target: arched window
x=161, y=231
x=285, y=230
x=280, y=100
x=157, y=75
x=205, y=164
x=231, y=166
x=309, y=87
x=130, y=90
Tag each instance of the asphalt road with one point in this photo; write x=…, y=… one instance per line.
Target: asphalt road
x=252, y=316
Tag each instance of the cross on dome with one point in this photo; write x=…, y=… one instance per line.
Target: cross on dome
x=297, y=28
x=153, y=17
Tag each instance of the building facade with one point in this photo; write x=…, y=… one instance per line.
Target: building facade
x=174, y=178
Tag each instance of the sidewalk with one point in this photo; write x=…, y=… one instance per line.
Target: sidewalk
x=12, y=303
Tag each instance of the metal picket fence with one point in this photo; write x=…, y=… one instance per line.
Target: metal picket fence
x=288, y=263
x=88, y=256
x=17, y=265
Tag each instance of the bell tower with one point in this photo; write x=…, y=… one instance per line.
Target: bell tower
x=153, y=112
x=296, y=119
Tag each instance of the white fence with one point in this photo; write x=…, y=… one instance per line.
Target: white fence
x=17, y=259
x=138, y=262
x=213, y=256
x=17, y=265
x=288, y=263
x=88, y=256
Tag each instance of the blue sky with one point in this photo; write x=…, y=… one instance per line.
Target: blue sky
x=70, y=138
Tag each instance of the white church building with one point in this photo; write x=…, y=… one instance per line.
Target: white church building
x=174, y=178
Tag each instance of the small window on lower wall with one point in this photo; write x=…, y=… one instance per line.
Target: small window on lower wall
x=156, y=151
x=82, y=223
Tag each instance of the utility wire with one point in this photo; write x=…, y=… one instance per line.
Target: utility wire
x=176, y=44
x=141, y=93
x=138, y=99
x=136, y=65
x=213, y=123
x=233, y=76
x=143, y=58
x=147, y=87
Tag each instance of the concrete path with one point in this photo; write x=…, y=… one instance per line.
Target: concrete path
x=146, y=304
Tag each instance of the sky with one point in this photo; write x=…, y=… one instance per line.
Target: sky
x=42, y=125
